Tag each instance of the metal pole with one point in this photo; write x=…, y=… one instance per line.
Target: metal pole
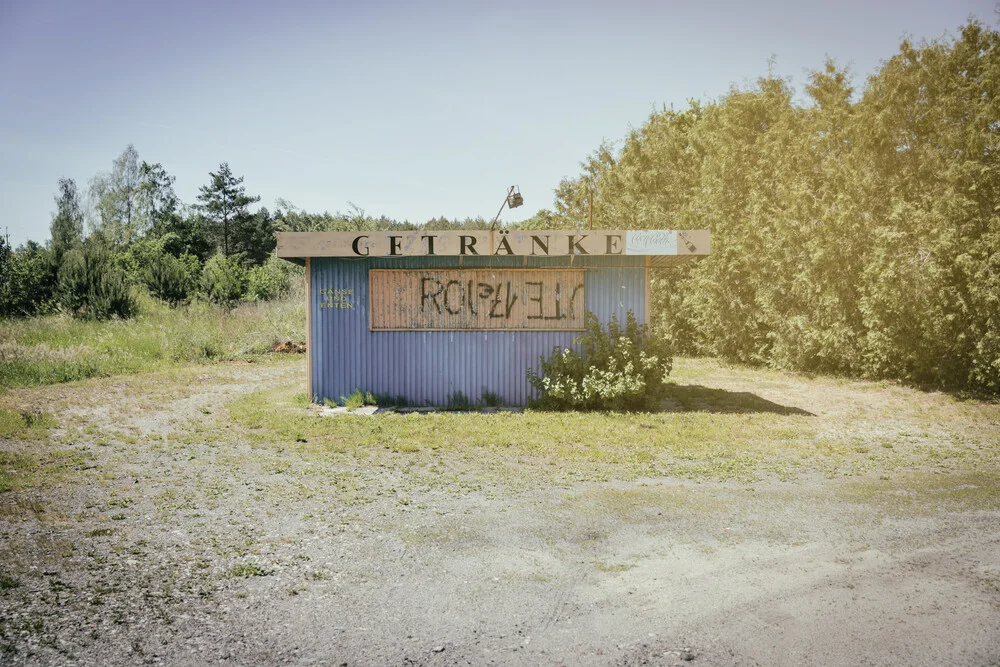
x=506, y=199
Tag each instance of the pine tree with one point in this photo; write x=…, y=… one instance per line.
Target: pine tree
x=225, y=202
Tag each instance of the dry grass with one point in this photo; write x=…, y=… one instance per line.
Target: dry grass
x=58, y=348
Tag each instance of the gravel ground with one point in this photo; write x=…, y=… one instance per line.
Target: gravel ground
x=159, y=541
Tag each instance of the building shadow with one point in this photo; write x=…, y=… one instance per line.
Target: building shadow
x=695, y=398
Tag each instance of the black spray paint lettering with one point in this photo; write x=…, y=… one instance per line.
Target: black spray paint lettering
x=425, y=295
x=456, y=297
x=511, y=300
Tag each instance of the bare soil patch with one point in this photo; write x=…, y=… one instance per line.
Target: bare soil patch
x=198, y=516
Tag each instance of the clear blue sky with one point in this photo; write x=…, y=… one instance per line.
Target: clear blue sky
x=408, y=109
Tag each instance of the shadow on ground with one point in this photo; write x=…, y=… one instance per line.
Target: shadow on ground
x=695, y=398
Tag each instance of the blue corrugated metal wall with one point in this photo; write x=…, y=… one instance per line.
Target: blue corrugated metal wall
x=426, y=367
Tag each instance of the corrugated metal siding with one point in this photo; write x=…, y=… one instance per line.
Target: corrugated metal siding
x=426, y=367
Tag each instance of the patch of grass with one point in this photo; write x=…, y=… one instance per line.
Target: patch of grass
x=59, y=348
x=7, y=583
x=694, y=444
x=36, y=465
x=25, y=425
x=916, y=493
x=740, y=438
x=355, y=400
x=491, y=399
x=459, y=401
x=605, y=566
x=13, y=469
x=247, y=570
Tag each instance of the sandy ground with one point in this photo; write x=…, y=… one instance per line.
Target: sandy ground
x=130, y=559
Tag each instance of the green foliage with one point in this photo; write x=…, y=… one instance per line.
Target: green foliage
x=158, y=203
x=225, y=203
x=357, y=399
x=170, y=278
x=190, y=233
x=30, y=285
x=271, y=280
x=254, y=238
x=59, y=348
x=67, y=224
x=617, y=369
x=458, y=401
x=117, y=199
x=852, y=235
x=247, y=570
x=223, y=279
x=91, y=286
x=491, y=399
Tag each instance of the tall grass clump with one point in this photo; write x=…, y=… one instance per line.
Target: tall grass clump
x=61, y=348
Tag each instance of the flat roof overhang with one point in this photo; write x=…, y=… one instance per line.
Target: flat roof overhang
x=665, y=247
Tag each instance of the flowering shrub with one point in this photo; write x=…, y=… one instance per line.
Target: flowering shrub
x=617, y=370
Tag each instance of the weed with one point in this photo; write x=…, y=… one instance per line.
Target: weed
x=59, y=348
x=605, y=566
x=491, y=399
x=7, y=583
x=25, y=425
x=13, y=468
x=247, y=570
x=354, y=401
x=459, y=401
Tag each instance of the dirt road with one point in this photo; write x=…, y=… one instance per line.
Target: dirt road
x=149, y=525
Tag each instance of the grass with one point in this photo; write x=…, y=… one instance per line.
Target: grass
x=687, y=444
x=247, y=570
x=711, y=434
x=58, y=348
x=25, y=468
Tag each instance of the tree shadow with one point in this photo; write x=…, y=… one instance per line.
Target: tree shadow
x=695, y=398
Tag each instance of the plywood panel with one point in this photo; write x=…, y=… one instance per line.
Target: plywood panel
x=477, y=299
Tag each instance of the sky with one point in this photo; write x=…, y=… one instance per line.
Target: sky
x=411, y=110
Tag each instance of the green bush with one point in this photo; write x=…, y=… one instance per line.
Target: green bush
x=457, y=400
x=854, y=231
x=90, y=286
x=617, y=370
x=27, y=282
x=170, y=278
x=491, y=399
x=271, y=280
x=223, y=279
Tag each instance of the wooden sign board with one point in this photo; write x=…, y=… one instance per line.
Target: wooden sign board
x=499, y=243
x=474, y=299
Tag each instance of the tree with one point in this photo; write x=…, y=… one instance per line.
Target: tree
x=254, y=237
x=116, y=196
x=91, y=286
x=224, y=201
x=158, y=203
x=28, y=285
x=67, y=222
x=848, y=236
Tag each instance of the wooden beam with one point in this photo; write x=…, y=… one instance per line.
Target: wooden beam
x=499, y=243
x=309, y=329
